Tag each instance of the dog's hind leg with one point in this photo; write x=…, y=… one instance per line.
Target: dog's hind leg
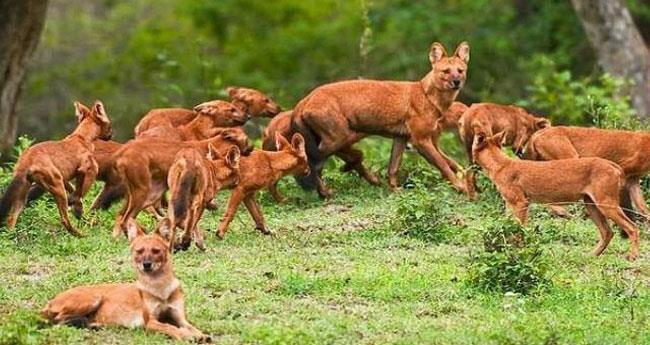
x=609, y=207
x=53, y=182
x=396, y=152
x=256, y=214
x=353, y=159
x=637, y=197
x=599, y=219
x=235, y=199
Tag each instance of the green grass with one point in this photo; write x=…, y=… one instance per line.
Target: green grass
x=339, y=272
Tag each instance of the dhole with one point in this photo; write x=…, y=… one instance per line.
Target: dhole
x=596, y=181
x=260, y=170
x=143, y=165
x=193, y=181
x=335, y=116
x=52, y=164
x=155, y=302
x=630, y=150
x=489, y=119
x=253, y=102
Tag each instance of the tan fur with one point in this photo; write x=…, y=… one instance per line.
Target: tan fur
x=595, y=180
x=194, y=180
x=155, y=302
x=260, y=170
x=340, y=114
x=143, y=165
x=52, y=164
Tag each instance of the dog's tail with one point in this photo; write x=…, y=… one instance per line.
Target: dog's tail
x=310, y=181
x=181, y=196
x=14, y=196
x=113, y=191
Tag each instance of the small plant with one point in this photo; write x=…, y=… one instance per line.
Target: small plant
x=20, y=327
x=511, y=260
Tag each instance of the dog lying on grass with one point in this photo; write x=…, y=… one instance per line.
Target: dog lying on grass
x=353, y=158
x=260, y=170
x=155, y=301
x=596, y=181
x=193, y=181
x=143, y=167
x=52, y=164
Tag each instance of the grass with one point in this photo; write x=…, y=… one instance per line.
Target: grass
x=339, y=272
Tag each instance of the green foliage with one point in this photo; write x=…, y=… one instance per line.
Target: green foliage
x=512, y=259
x=577, y=101
x=21, y=328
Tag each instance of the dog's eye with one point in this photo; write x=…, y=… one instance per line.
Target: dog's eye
x=446, y=71
x=460, y=70
x=155, y=251
x=139, y=251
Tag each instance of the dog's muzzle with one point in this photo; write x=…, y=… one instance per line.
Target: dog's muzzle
x=147, y=266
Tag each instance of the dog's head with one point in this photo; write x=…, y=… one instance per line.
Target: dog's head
x=483, y=143
x=296, y=149
x=255, y=103
x=151, y=254
x=97, y=115
x=530, y=125
x=234, y=136
x=449, y=72
x=222, y=113
x=226, y=167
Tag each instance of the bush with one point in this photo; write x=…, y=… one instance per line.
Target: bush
x=511, y=260
x=571, y=101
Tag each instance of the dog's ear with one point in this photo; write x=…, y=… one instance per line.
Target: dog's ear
x=80, y=111
x=228, y=134
x=499, y=138
x=281, y=142
x=298, y=142
x=133, y=231
x=232, y=91
x=165, y=230
x=542, y=123
x=212, y=153
x=100, y=112
x=436, y=53
x=232, y=157
x=462, y=52
x=480, y=140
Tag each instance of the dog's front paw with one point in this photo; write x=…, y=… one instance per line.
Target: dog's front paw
x=203, y=339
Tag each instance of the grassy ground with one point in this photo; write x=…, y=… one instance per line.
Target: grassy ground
x=340, y=272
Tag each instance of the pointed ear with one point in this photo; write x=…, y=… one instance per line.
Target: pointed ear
x=80, y=110
x=281, y=142
x=232, y=157
x=479, y=141
x=165, y=230
x=436, y=53
x=133, y=230
x=499, y=138
x=232, y=91
x=462, y=52
x=542, y=123
x=212, y=153
x=100, y=112
x=298, y=142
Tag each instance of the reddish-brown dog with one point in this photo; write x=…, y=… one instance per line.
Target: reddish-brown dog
x=335, y=116
x=155, y=302
x=260, y=170
x=193, y=181
x=52, y=164
x=596, y=181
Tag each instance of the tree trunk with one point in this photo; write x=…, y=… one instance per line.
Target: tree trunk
x=620, y=48
x=21, y=23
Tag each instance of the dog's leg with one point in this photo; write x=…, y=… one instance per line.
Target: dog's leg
x=171, y=330
x=433, y=156
x=558, y=211
x=53, y=183
x=236, y=197
x=599, y=219
x=516, y=201
x=396, y=152
x=609, y=207
x=353, y=159
x=178, y=316
x=273, y=189
x=85, y=177
x=256, y=213
x=637, y=198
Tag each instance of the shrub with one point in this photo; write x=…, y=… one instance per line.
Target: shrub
x=511, y=259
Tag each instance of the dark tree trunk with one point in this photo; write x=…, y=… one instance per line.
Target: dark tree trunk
x=21, y=23
x=620, y=48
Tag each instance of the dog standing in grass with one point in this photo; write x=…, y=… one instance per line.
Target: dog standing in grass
x=52, y=164
x=598, y=182
x=155, y=301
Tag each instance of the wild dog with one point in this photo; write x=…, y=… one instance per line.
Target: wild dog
x=353, y=158
x=337, y=115
x=51, y=164
x=253, y=102
x=598, y=182
x=489, y=119
x=260, y=170
x=193, y=181
x=155, y=301
x=628, y=149
x=143, y=166
x=214, y=114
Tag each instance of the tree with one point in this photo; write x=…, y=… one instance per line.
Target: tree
x=21, y=23
x=619, y=45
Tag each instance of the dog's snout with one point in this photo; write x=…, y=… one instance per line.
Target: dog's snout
x=147, y=266
x=456, y=83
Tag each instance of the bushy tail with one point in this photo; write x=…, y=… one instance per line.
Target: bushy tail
x=182, y=196
x=14, y=195
x=310, y=181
